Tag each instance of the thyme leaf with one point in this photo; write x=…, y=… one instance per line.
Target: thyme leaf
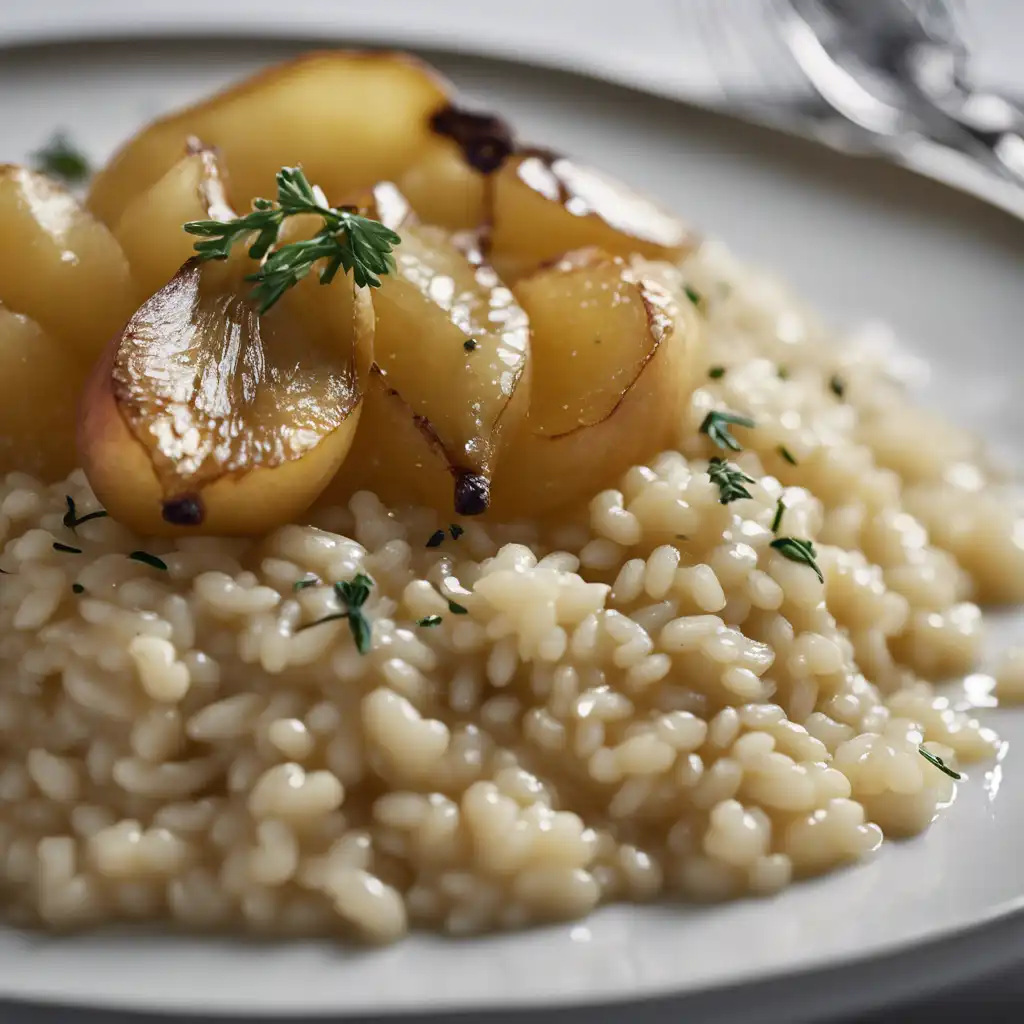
x=796, y=550
x=716, y=425
x=730, y=480
x=780, y=511
x=347, y=241
x=72, y=519
x=147, y=559
x=938, y=762
x=60, y=158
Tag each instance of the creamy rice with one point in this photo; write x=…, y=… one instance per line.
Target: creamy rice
x=643, y=700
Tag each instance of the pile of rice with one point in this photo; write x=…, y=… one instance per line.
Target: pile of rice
x=644, y=700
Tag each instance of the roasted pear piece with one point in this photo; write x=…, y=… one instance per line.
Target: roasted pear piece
x=40, y=379
x=58, y=264
x=449, y=184
x=151, y=232
x=203, y=416
x=615, y=354
x=451, y=348
x=544, y=205
x=349, y=118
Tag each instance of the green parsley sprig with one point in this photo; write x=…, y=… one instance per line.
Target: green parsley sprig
x=347, y=241
x=730, y=480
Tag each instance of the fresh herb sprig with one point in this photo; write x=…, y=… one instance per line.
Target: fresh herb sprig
x=730, y=480
x=716, y=425
x=938, y=762
x=60, y=158
x=801, y=551
x=351, y=596
x=347, y=241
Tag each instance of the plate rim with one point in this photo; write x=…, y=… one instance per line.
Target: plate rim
x=963, y=952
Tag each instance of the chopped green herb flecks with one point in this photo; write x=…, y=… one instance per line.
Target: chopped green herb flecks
x=787, y=454
x=309, y=581
x=147, y=559
x=783, y=372
x=77, y=588
x=938, y=762
x=801, y=551
x=716, y=426
x=436, y=539
x=72, y=519
x=716, y=372
x=60, y=159
x=693, y=295
x=780, y=511
x=347, y=241
x=837, y=387
x=457, y=609
x=429, y=621
x=730, y=480
x=456, y=531
x=66, y=548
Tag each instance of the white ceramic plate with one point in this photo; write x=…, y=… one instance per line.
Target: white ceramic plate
x=861, y=240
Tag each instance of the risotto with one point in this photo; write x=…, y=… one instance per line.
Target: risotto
x=707, y=680
x=644, y=700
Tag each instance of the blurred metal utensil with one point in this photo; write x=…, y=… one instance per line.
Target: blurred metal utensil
x=886, y=77
x=900, y=68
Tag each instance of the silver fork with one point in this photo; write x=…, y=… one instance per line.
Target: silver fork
x=883, y=76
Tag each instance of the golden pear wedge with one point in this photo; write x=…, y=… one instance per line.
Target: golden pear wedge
x=452, y=352
x=349, y=118
x=544, y=205
x=151, y=230
x=615, y=358
x=40, y=379
x=58, y=264
x=203, y=417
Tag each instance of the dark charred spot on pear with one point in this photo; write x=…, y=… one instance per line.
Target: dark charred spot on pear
x=184, y=511
x=486, y=140
x=472, y=493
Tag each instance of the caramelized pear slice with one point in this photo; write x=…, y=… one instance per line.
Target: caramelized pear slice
x=39, y=385
x=545, y=205
x=348, y=118
x=450, y=183
x=452, y=349
x=204, y=417
x=58, y=264
x=615, y=356
x=151, y=231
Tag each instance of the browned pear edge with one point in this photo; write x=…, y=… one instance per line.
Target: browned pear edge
x=657, y=301
x=262, y=78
